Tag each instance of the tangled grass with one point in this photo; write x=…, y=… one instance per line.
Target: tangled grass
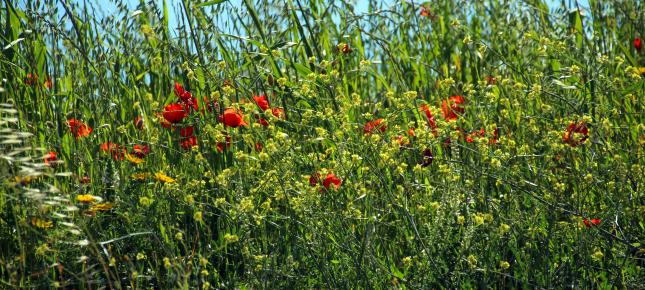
x=301, y=144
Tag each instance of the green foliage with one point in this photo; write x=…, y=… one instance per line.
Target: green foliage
x=366, y=171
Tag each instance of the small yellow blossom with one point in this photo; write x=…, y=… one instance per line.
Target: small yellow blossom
x=86, y=198
x=41, y=223
x=159, y=176
x=102, y=207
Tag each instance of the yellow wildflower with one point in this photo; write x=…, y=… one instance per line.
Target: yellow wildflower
x=163, y=178
x=85, y=198
x=102, y=207
x=133, y=159
x=41, y=223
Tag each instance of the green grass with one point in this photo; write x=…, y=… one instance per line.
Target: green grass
x=499, y=210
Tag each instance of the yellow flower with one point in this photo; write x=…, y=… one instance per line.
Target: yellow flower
x=163, y=178
x=504, y=265
x=228, y=238
x=133, y=159
x=102, y=207
x=86, y=198
x=41, y=223
x=479, y=220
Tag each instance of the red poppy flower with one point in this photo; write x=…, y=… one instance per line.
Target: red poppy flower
x=115, y=150
x=85, y=180
x=491, y=80
x=278, y=113
x=232, y=118
x=330, y=180
x=452, y=106
x=187, y=131
x=371, y=126
x=476, y=134
x=174, y=113
x=345, y=49
x=140, y=151
x=183, y=95
x=31, y=79
x=495, y=137
x=262, y=102
x=400, y=138
x=595, y=222
x=314, y=178
x=220, y=145
x=427, y=158
x=638, y=44
x=579, y=128
x=138, y=122
x=78, y=128
x=431, y=121
x=258, y=147
x=190, y=105
x=48, y=83
x=188, y=143
x=263, y=122
x=50, y=157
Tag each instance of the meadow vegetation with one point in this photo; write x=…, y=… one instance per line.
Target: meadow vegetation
x=300, y=144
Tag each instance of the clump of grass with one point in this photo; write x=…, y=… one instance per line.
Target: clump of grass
x=306, y=145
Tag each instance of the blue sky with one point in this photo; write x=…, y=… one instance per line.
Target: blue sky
x=106, y=7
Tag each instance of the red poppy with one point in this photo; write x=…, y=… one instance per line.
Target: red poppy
x=495, y=137
x=183, y=95
x=174, y=113
x=278, y=113
x=431, y=121
x=50, y=157
x=190, y=105
x=345, y=49
x=476, y=134
x=258, y=147
x=579, y=128
x=188, y=143
x=31, y=79
x=314, y=178
x=220, y=145
x=85, y=180
x=400, y=138
x=595, y=222
x=187, y=131
x=371, y=126
x=48, y=83
x=491, y=80
x=164, y=123
x=331, y=179
x=140, y=151
x=263, y=122
x=262, y=102
x=138, y=122
x=452, y=106
x=427, y=158
x=78, y=128
x=424, y=12
x=186, y=98
x=115, y=150
x=232, y=118
x=638, y=44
